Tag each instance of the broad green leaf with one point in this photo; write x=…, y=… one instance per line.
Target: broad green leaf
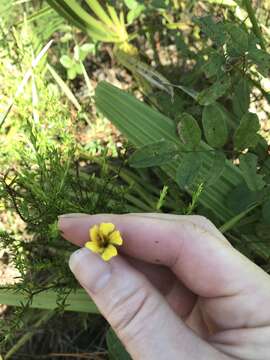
x=266, y=212
x=131, y=4
x=241, y=97
x=189, y=131
x=263, y=231
x=78, y=68
x=215, y=91
x=86, y=49
x=246, y=134
x=135, y=13
x=241, y=198
x=212, y=29
x=77, y=301
x=265, y=170
x=248, y=166
x=188, y=169
x=159, y=4
x=217, y=168
x=214, y=64
x=154, y=154
x=115, y=348
x=233, y=222
x=214, y=121
x=238, y=40
x=164, y=104
x=66, y=61
x=72, y=73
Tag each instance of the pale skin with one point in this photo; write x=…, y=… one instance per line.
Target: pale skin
x=177, y=290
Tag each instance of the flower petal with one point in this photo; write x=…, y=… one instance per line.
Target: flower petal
x=93, y=246
x=115, y=238
x=93, y=233
x=106, y=228
x=109, y=252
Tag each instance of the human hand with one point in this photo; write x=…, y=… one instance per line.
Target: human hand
x=178, y=290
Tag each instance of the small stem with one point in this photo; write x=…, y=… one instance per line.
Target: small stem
x=236, y=219
x=256, y=29
x=26, y=337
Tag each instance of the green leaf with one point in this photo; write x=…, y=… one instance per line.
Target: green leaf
x=131, y=4
x=265, y=170
x=241, y=198
x=263, y=231
x=72, y=73
x=214, y=64
x=66, y=61
x=214, y=121
x=212, y=29
x=262, y=59
x=154, y=154
x=217, y=168
x=86, y=49
x=115, y=348
x=266, y=212
x=246, y=134
x=248, y=166
x=189, y=131
x=241, y=97
x=78, y=69
x=215, y=91
x=164, y=104
x=134, y=13
x=238, y=40
x=188, y=169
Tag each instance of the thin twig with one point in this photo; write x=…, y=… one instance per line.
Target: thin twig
x=255, y=26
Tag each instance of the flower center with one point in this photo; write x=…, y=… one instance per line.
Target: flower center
x=103, y=241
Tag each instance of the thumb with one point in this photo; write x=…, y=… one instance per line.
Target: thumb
x=142, y=319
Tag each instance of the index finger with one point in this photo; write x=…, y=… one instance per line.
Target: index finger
x=194, y=252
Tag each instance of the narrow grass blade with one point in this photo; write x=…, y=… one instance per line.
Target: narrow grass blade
x=25, y=80
x=63, y=86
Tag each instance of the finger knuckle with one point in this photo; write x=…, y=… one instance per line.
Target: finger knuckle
x=130, y=312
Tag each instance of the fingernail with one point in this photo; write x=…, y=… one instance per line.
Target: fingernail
x=90, y=270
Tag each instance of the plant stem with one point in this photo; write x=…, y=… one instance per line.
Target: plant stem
x=26, y=337
x=236, y=219
x=256, y=29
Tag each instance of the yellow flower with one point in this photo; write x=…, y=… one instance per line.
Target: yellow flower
x=103, y=238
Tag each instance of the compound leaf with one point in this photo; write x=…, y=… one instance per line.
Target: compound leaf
x=214, y=121
x=246, y=134
x=188, y=169
x=217, y=167
x=155, y=154
x=189, y=131
x=248, y=166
